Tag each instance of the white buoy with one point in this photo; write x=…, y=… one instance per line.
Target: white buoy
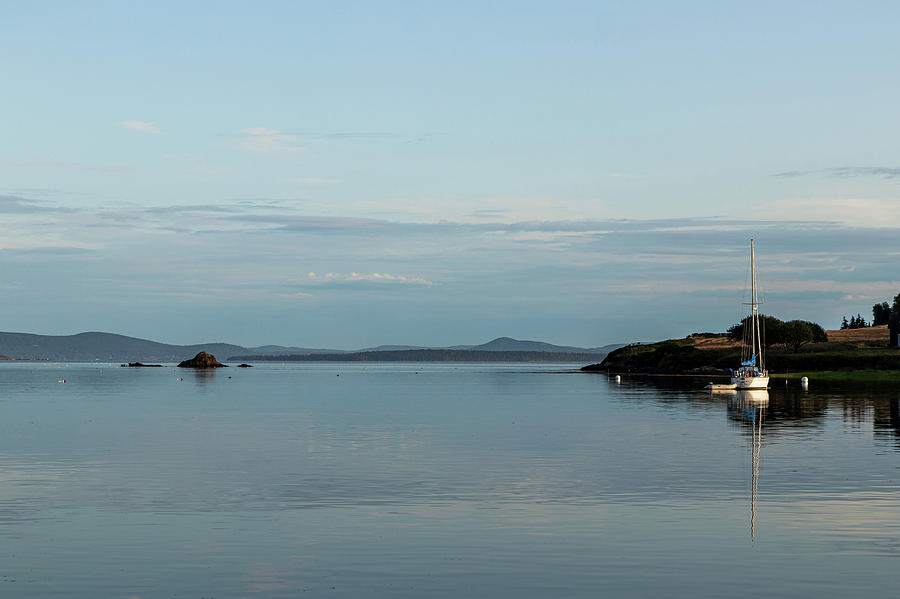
x=804, y=383
x=618, y=379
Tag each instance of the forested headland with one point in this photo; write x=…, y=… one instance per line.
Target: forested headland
x=795, y=346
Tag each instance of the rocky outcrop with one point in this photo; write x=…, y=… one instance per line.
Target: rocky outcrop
x=245, y=366
x=140, y=365
x=202, y=360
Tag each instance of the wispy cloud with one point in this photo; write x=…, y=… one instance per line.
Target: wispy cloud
x=467, y=210
x=12, y=204
x=264, y=255
x=846, y=172
x=312, y=180
x=382, y=277
x=17, y=205
x=850, y=211
x=141, y=126
x=259, y=140
x=70, y=165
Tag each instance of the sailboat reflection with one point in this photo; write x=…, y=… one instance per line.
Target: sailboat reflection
x=749, y=407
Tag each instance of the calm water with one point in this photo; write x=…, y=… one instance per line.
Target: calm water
x=439, y=481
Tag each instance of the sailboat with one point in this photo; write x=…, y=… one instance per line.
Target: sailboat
x=752, y=373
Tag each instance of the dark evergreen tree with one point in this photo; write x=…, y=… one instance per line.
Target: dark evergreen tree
x=881, y=314
x=894, y=328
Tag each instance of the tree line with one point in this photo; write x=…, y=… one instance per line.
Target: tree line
x=792, y=334
x=881, y=314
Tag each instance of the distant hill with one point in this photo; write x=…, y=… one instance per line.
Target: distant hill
x=280, y=349
x=502, y=349
x=103, y=347
x=430, y=355
x=383, y=348
x=109, y=347
x=500, y=344
x=509, y=344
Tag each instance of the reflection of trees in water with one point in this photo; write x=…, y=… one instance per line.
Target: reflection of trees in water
x=794, y=407
x=789, y=407
x=856, y=411
x=786, y=408
x=886, y=420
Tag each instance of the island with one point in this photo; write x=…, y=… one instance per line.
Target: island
x=202, y=360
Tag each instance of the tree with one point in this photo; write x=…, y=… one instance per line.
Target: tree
x=793, y=334
x=881, y=314
x=856, y=322
x=894, y=328
x=819, y=334
x=770, y=330
x=797, y=333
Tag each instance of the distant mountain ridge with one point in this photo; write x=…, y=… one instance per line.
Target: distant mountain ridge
x=509, y=344
x=103, y=347
x=111, y=347
x=430, y=355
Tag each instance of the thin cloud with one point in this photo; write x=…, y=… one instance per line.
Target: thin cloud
x=12, y=204
x=849, y=211
x=312, y=180
x=141, y=127
x=381, y=277
x=259, y=140
x=71, y=165
x=846, y=172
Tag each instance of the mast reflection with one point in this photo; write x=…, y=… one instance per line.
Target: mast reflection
x=749, y=408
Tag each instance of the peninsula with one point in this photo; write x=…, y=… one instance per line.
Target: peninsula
x=845, y=353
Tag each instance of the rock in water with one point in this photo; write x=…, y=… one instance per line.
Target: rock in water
x=202, y=360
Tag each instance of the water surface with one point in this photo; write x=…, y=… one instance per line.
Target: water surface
x=446, y=480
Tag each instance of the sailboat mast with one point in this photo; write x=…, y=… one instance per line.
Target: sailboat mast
x=756, y=338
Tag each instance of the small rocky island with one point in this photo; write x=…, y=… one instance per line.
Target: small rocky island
x=202, y=360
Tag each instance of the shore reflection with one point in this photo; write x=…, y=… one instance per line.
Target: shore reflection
x=886, y=421
x=790, y=409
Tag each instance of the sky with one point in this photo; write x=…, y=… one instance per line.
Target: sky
x=347, y=174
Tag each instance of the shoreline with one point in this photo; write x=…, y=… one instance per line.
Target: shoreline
x=861, y=375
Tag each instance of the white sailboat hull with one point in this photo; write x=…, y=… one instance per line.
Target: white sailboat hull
x=750, y=382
